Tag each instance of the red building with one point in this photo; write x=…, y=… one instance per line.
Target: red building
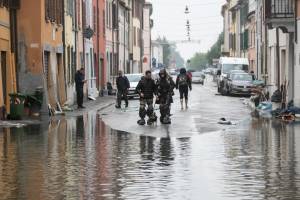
x=99, y=43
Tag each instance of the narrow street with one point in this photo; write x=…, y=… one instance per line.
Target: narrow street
x=206, y=108
x=84, y=157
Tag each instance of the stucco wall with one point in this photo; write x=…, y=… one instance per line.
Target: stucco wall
x=5, y=46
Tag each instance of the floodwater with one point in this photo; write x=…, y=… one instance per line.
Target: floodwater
x=81, y=158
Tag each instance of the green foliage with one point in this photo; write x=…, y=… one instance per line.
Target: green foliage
x=170, y=54
x=198, y=61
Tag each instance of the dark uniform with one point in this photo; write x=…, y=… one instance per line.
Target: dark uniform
x=147, y=87
x=122, y=85
x=183, y=83
x=165, y=87
x=79, y=82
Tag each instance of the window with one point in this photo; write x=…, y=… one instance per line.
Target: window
x=103, y=25
x=46, y=66
x=10, y=3
x=69, y=64
x=73, y=65
x=134, y=36
x=53, y=11
x=95, y=20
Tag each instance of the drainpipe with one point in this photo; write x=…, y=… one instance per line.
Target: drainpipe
x=124, y=34
x=118, y=35
x=83, y=27
x=14, y=44
x=98, y=48
x=278, y=58
x=113, y=45
x=64, y=37
x=76, y=32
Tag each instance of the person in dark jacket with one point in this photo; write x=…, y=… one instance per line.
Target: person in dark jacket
x=146, y=88
x=79, y=82
x=183, y=83
x=165, y=87
x=123, y=85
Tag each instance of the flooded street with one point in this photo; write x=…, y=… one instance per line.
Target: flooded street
x=82, y=158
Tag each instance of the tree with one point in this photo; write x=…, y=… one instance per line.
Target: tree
x=170, y=53
x=215, y=50
x=198, y=61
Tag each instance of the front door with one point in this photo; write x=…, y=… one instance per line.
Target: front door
x=101, y=67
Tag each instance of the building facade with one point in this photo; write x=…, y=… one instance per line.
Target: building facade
x=8, y=51
x=137, y=23
x=99, y=40
x=40, y=44
x=147, y=26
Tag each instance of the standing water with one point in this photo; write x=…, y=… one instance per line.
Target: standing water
x=81, y=158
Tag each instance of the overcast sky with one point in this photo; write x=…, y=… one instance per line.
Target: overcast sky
x=205, y=19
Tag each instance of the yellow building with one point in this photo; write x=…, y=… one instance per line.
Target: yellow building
x=7, y=59
x=40, y=53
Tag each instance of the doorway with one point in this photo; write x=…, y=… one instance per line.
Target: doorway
x=3, y=73
x=101, y=72
x=283, y=67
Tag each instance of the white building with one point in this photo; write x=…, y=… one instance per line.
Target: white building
x=123, y=37
x=148, y=23
x=89, y=50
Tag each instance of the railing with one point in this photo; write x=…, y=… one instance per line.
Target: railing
x=280, y=8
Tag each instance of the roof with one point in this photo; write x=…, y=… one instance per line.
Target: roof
x=233, y=60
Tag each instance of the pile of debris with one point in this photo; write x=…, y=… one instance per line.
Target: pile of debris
x=291, y=113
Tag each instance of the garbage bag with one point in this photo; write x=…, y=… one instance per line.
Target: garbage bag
x=276, y=97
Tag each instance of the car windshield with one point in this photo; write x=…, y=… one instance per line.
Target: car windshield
x=197, y=74
x=134, y=77
x=241, y=77
x=227, y=68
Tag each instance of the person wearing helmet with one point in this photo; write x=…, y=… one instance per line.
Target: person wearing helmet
x=165, y=87
x=183, y=83
x=146, y=88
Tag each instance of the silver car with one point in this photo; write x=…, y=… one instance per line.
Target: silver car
x=239, y=83
x=198, y=77
x=133, y=80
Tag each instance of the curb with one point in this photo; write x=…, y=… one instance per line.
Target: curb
x=105, y=106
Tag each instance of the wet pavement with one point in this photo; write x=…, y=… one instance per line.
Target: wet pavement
x=83, y=158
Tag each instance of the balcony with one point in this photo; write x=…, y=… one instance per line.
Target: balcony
x=281, y=13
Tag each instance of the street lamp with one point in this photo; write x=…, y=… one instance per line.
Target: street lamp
x=187, y=11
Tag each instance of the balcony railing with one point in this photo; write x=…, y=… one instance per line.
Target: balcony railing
x=280, y=8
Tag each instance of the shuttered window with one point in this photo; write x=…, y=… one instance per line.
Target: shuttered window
x=54, y=11
x=14, y=4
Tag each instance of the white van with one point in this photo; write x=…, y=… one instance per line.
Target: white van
x=226, y=65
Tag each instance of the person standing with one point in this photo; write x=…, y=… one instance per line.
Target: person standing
x=183, y=83
x=253, y=75
x=165, y=87
x=146, y=88
x=79, y=82
x=123, y=85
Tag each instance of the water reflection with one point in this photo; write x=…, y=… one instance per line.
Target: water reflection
x=81, y=158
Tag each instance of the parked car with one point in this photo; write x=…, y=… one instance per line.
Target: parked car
x=133, y=80
x=173, y=72
x=198, y=77
x=228, y=64
x=239, y=83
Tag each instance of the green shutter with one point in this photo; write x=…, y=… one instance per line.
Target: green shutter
x=246, y=40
